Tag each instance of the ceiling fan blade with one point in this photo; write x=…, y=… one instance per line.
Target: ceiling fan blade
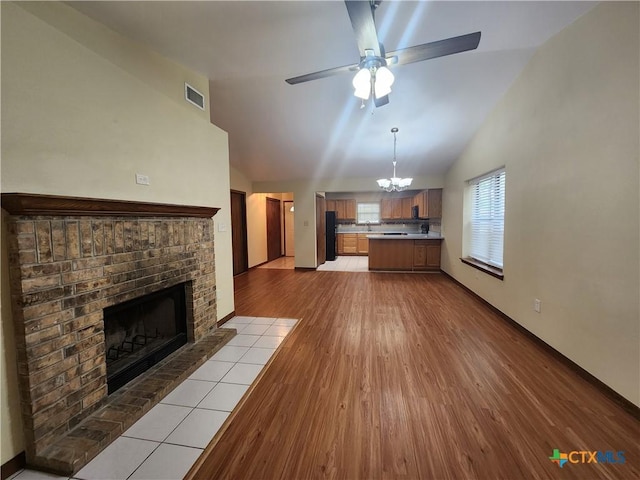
x=381, y=102
x=361, y=15
x=437, y=49
x=322, y=74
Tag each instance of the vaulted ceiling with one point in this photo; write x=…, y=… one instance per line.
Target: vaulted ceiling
x=317, y=129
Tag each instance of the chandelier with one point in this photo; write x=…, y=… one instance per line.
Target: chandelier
x=394, y=184
x=373, y=76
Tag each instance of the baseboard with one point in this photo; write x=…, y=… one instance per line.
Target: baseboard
x=306, y=269
x=625, y=404
x=226, y=318
x=14, y=465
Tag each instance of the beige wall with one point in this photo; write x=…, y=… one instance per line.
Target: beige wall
x=83, y=111
x=567, y=132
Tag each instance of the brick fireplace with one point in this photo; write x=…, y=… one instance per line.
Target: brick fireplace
x=70, y=259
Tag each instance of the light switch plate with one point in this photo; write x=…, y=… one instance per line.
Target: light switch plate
x=142, y=179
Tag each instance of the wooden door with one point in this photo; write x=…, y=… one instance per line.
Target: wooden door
x=274, y=236
x=321, y=230
x=239, y=232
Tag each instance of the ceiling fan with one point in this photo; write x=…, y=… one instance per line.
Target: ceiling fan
x=372, y=75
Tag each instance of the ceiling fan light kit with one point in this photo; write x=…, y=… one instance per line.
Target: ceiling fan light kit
x=362, y=84
x=373, y=74
x=394, y=184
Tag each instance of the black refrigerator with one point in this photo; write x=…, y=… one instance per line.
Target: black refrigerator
x=330, y=225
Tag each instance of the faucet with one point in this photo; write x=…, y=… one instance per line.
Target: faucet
x=368, y=226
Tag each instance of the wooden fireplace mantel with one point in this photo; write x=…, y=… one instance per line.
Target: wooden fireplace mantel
x=35, y=204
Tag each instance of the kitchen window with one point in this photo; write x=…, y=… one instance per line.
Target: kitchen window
x=486, y=222
x=368, y=212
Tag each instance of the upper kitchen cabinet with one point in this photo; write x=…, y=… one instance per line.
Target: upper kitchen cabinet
x=396, y=208
x=429, y=203
x=407, y=203
x=421, y=200
x=345, y=208
x=435, y=203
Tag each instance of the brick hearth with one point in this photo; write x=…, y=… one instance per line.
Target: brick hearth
x=66, y=266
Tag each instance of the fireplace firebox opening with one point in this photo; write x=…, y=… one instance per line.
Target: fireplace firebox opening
x=141, y=332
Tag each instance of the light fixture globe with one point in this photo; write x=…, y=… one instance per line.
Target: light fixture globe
x=362, y=84
x=383, y=81
x=384, y=183
x=394, y=184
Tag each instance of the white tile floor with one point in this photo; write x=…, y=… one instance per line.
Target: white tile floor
x=346, y=264
x=164, y=443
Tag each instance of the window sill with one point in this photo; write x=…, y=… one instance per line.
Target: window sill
x=483, y=267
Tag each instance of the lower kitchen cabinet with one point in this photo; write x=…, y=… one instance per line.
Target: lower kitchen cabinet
x=426, y=255
x=352, y=244
x=363, y=244
x=390, y=254
x=347, y=243
x=404, y=255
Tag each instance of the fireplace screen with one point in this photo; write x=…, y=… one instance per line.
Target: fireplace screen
x=141, y=332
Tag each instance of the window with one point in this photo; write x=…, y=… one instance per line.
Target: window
x=368, y=212
x=487, y=218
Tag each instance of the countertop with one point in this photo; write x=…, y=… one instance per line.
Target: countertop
x=408, y=236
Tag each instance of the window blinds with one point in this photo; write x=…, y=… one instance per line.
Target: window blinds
x=368, y=212
x=487, y=218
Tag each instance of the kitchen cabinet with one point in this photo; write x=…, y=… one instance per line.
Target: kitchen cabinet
x=363, y=244
x=420, y=199
x=434, y=201
x=386, y=208
x=407, y=203
x=345, y=208
x=404, y=254
x=352, y=244
x=426, y=255
x=429, y=203
x=390, y=254
x=347, y=243
x=396, y=208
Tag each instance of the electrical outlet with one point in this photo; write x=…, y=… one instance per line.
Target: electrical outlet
x=142, y=179
x=537, y=305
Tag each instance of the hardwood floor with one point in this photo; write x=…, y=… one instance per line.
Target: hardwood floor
x=408, y=376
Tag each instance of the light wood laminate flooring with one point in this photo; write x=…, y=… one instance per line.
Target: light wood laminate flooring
x=408, y=377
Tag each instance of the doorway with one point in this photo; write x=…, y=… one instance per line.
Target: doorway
x=289, y=242
x=239, y=232
x=321, y=232
x=274, y=232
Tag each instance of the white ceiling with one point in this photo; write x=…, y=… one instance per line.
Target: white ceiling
x=317, y=129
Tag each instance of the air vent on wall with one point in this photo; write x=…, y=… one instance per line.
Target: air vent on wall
x=193, y=96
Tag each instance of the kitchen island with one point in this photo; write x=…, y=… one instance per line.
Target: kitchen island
x=405, y=252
